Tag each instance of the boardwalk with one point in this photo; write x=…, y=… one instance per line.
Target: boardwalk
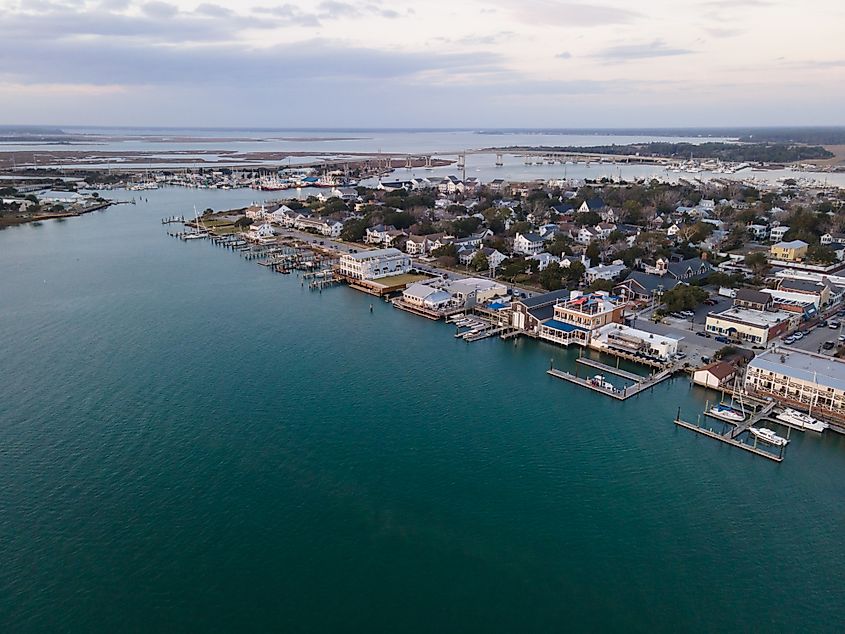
x=621, y=395
x=610, y=369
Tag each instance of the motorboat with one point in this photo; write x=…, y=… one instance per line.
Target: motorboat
x=800, y=420
x=768, y=436
x=727, y=413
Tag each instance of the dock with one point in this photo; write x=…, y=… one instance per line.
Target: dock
x=610, y=369
x=627, y=392
x=730, y=436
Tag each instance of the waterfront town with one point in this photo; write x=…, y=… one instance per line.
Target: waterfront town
x=738, y=284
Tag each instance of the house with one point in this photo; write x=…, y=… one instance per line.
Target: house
x=371, y=265
x=475, y=290
x=604, y=272
x=715, y=375
x=776, y=233
x=817, y=292
x=496, y=185
x=591, y=204
x=707, y=204
x=284, y=216
x=752, y=299
x=604, y=229
x=548, y=231
x=543, y=260
x=422, y=245
x=346, y=194
x=641, y=286
x=260, y=232
x=494, y=257
x=383, y=235
x=609, y=216
x=758, y=232
x=682, y=270
x=426, y=296
x=586, y=235
x=256, y=212
x=527, y=314
x=324, y=226
x=527, y=244
x=800, y=379
x=792, y=251
x=392, y=186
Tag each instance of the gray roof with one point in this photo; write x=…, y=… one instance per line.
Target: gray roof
x=800, y=285
x=797, y=364
x=753, y=296
x=651, y=282
x=679, y=269
x=542, y=313
x=546, y=298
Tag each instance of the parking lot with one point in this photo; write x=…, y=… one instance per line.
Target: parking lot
x=815, y=339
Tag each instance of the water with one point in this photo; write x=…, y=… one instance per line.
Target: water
x=189, y=442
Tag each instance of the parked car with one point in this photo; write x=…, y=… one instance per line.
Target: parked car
x=701, y=333
x=722, y=339
x=828, y=345
x=789, y=340
x=798, y=335
x=833, y=325
x=841, y=337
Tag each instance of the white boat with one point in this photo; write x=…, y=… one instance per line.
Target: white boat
x=768, y=435
x=801, y=420
x=599, y=381
x=727, y=413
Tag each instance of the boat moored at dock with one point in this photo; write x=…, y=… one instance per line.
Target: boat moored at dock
x=800, y=420
x=727, y=413
x=768, y=436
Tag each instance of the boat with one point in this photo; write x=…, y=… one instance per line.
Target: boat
x=800, y=420
x=768, y=435
x=599, y=381
x=727, y=413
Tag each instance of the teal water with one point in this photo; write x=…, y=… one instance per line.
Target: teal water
x=189, y=442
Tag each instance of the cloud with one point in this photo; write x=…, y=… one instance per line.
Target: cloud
x=159, y=9
x=626, y=52
x=570, y=14
x=564, y=55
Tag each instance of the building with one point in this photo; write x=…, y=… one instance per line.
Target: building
x=527, y=244
x=758, y=232
x=792, y=251
x=799, y=378
x=776, y=233
x=323, y=226
x=426, y=296
x=475, y=290
x=817, y=292
x=640, y=286
x=604, y=272
x=715, y=375
x=756, y=327
x=616, y=338
x=527, y=314
x=752, y=299
x=371, y=265
x=575, y=320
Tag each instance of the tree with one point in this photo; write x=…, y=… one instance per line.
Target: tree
x=559, y=246
x=602, y=285
x=593, y=252
x=551, y=277
x=479, y=261
x=684, y=297
x=757, y=262
x=821, y=253
x=575, y=272
x=243, y=222
x=462, y=227
x=512, y=267
x=354, y=229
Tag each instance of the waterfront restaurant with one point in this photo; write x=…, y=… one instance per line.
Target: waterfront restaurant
x=799, y=378
x=575, y=320
x=371, y=265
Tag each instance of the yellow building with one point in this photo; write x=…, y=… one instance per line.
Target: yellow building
x=792, y=251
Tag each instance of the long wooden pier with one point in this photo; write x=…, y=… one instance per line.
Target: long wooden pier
x=610, y=369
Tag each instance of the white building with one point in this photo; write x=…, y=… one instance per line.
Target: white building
x=371, y=265
x=604, y=272
x=527, y=244
x=776, y=233
x=619, y=338
x=799, y=378
x=425, y=296
x=476, y=290
x=543, y=260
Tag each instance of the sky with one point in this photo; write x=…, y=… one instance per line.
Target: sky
x=430, y=63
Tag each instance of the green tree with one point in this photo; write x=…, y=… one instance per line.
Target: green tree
x=575, y=272
x=821, y=253
x=593, y=252
x=354, y=229
x=480, y=262
x=684, y=297
x=757, y=262
x=551, y=278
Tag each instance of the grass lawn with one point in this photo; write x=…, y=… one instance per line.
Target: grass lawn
x=405, y=278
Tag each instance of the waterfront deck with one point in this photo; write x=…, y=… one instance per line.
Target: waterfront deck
x=610, y=369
